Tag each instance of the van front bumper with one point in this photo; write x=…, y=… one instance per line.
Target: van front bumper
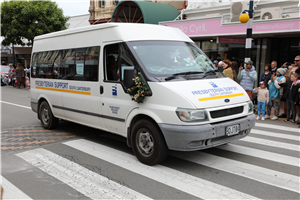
x=191, y=138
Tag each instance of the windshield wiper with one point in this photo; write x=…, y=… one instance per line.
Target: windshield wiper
x=213, y=72
x=182, y=73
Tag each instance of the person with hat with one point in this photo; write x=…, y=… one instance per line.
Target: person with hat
x=275, y=91
x=262, y=99
x=216, y=63
x=247, y=77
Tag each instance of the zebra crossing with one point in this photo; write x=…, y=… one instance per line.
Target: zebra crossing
x=231, y=171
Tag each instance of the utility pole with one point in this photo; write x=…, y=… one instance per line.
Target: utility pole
x=248, y=18
x=13, y=54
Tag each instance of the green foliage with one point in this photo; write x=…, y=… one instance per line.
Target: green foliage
x=139, y=91
x=27, y=19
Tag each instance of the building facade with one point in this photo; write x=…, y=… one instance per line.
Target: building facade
x=102, y=11
x=218, y=32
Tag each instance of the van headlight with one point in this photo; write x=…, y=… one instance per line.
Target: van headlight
x=189, y=115
x=250, y=107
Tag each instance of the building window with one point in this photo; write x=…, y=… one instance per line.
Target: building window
x=101, y=4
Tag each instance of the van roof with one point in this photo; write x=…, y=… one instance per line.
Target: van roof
x=129, y=32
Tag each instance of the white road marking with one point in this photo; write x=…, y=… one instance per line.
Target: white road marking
x=271, y=143
x=264, y=175
x=11, y=191
x=81, y=179
x=277, y=135
x=173, y=178
x=15, y=104
x=261, y=154
x=278, y=127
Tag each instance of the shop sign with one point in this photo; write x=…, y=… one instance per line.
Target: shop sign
x=215, y=27
x=232, y=40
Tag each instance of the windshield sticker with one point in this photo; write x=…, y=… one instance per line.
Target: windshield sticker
x=62, y=87
x=115, y=90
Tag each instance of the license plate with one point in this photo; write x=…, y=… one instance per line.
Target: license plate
x=232, y=130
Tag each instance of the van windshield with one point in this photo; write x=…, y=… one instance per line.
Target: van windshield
x=164, y=58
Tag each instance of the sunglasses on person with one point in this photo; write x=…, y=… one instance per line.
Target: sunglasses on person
x=296, y=60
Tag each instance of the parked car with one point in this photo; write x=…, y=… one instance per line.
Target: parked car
x=4, y=71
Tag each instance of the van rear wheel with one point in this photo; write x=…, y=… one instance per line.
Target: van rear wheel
x=148, y=144
x=47, y=119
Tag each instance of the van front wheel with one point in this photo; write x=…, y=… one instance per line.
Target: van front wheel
x=47, y=119
x=148, y=144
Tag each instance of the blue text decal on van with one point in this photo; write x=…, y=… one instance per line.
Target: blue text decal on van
x=114, y=90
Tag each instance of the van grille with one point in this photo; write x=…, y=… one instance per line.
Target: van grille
x=226, y=112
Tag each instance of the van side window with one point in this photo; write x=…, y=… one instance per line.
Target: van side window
x=69, y=64
x=44, y=66
x=111, y=60
x=34, y=64
x=91, y=67
x=81, y=64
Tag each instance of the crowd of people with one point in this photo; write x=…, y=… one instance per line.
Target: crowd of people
x=278, y=87
x=18, y=76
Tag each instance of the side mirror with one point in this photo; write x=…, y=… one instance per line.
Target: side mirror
x=128, y=76
x=220, y=68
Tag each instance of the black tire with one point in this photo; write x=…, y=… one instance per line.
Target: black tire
x=148, y=143
x=47, y=119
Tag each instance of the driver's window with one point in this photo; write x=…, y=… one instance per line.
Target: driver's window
x=111, y=55
x=117, y=59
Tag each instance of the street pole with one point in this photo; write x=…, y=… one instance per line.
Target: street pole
x=13, y=50
x=249, y=33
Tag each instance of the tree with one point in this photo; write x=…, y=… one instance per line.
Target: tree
x=27, y=19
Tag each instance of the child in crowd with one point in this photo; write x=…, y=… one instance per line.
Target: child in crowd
x=262, y=99
x=291, y=95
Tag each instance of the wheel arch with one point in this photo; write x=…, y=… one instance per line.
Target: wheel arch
x=136, y=118
x=39, y=103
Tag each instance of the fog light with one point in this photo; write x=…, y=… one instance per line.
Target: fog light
x=196, y=143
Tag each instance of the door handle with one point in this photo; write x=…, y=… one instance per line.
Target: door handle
x=101, y=89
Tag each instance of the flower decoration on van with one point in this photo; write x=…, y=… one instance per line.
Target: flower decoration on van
x=139, y=91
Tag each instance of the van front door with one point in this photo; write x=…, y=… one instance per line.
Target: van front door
x=116, y=103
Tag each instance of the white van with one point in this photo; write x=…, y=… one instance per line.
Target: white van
x=184, y=103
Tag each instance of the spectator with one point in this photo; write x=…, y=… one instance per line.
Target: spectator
x=274, y=67
x=283, y=100
x=235, y=70
x=297, y=67
x=262, y=98
x=291, y=96
x=20, y=75
x=274, y=93
x=227, y=70
x=216, y=63
x=265, y=77
x=247, y=77
x=13, y=75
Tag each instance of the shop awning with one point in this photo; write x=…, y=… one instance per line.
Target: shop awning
x=143, y=12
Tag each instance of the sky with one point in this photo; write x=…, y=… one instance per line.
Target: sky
x=72, y=7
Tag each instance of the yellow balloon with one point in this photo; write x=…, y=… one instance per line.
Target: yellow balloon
x=244, y=18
